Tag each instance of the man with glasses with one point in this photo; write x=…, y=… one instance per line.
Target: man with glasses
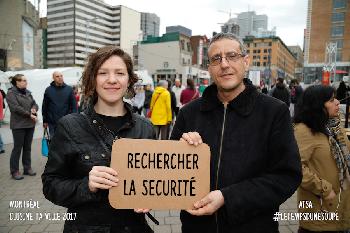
x=59, y=100
x=255, y=163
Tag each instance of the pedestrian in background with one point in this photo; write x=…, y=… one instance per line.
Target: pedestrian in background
x=255, y=164
x=190, y=93
x=177, y=89
x=296, y=92
x=325, y=157
x=281, y=92
x=161, y=109
x=148, y=97
x=139, y=99
x=1, y=119
x=22, y=122
x=77, y=174
x=59, y=100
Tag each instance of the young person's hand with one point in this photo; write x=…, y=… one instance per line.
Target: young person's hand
x=209, y=204
x=142, y=211
x=101, y=177
x=192, y=138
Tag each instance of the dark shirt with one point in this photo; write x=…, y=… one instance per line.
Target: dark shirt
x=113, y=123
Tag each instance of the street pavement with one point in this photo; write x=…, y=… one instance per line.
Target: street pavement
x=40, y=215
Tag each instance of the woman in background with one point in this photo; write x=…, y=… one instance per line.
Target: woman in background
x=78, y=174
x=22, y=122
x=324, y=151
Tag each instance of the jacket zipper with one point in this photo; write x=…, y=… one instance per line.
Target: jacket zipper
x=219, y=162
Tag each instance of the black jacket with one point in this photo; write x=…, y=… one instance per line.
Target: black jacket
x=58, y=101
x=259, y=166
x=281, y=92
x=81, y=142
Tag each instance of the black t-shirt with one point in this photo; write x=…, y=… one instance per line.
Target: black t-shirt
x=114, y=123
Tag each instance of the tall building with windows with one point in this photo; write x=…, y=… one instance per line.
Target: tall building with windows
x=327, y=21
x=249, y=23
x=79, y=27
x=149, y=25
x=271, y=57
x=180, y=29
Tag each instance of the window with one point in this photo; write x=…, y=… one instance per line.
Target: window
x=264, y=63
x=265, y=50
x=338, y=31
x=339, y=55
x=188, y=47
x=270, y=43
x=339, y=43
x=182, y=45
x=247, y=51
x=258, y=63
x=339, y=3
x=338, y=17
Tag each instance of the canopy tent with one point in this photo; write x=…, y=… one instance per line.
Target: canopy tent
x=144, y=78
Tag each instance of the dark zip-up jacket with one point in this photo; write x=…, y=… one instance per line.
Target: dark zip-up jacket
x=82, y=141
x=255, y=160
x=58, y=101
x=20, y=105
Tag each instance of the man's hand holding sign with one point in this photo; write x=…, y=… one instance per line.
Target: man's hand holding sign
x=214, y=200
x=159, y=175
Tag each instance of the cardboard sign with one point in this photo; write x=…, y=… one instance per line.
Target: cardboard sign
x=159, y=174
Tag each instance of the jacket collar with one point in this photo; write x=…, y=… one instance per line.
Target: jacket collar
x=97, y=124
x=91, y=113
x=16, y=90
x=243, y=104
x=54, y=85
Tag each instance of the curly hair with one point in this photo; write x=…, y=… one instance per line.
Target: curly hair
x=311, y=110
x=94, y=63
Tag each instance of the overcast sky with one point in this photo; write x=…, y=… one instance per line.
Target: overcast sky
x=205, y=16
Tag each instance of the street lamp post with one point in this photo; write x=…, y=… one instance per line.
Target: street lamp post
x=87, y=25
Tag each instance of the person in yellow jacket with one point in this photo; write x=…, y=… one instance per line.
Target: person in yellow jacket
x=324, y=150
x=161, y=109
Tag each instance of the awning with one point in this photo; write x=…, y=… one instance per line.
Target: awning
x=341, y=72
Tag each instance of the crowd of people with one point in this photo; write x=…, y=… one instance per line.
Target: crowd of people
x=261, y=152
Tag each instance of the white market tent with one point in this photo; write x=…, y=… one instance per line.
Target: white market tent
x=39, y=79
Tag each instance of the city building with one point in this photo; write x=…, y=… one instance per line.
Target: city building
x=149, y=25
x=230, y=27
x=79, y=27
x=180, y=29
x=20, y=41
x=166, y=57
x=249, y=23
x=199, y=46
x=328, y=21
x=299, y=55
x=271, y=58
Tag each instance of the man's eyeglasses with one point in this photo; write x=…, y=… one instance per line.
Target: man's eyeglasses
x=230, y=58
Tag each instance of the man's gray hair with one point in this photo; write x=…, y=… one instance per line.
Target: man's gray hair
x=230, y=36
x=163, y=83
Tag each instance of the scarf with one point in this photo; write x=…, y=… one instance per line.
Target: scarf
x=339, y=151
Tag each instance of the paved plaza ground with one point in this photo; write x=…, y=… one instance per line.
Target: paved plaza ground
x=30, y=189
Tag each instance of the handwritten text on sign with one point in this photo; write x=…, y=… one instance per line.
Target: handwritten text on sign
x=159, y=174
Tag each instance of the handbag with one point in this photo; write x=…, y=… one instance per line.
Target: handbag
x=45, y=142
x=149, y=113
